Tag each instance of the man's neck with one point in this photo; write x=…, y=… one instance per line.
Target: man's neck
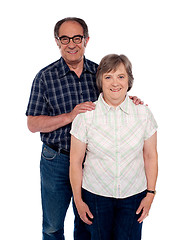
x=77, y=67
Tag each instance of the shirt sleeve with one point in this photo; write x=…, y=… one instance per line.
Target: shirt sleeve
x=151, y=125
x=79, y=128
x=37, y=104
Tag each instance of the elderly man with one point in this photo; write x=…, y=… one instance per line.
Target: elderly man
x=59, y=93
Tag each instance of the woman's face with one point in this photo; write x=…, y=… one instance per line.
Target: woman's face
x=115, y=86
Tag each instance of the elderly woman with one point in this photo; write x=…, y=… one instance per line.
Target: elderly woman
x=114, y=191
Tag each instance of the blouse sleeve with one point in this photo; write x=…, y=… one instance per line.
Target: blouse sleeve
x=79, y=128
x=151, y=125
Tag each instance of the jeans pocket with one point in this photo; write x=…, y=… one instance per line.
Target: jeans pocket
x=48, y=154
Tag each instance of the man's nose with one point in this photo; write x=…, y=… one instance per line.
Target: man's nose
x=71, y=44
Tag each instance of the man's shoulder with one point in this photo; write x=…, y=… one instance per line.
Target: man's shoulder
x=50, y=67
x=91, y=62
x=91, y=66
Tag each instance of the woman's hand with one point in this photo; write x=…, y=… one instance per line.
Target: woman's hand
x=145, y=206
x=84, y=212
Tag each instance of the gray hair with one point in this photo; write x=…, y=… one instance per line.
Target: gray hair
x=112, y=62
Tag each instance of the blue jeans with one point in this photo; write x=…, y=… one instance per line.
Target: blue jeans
x=114, y=219
x=56, y=195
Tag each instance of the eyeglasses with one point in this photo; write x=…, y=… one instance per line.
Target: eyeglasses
x=76, y=39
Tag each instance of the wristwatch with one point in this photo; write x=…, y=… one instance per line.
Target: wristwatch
x=150, y=191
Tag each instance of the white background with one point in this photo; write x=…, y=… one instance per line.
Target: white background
x=151, y=34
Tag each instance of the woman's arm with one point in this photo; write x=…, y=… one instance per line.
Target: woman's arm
x=77, y=154
x=151, y=169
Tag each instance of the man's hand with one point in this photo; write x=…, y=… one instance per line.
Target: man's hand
x=81, y=108
x=144, y=207
x=136, y=100
x=84, y=212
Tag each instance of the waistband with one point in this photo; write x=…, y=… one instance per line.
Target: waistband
x=55, y=148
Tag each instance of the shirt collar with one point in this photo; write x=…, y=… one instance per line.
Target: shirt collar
x=64, y=69
x=88, y=66
x=124, y=106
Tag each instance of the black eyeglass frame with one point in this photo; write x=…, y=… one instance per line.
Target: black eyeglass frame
x=69, y=38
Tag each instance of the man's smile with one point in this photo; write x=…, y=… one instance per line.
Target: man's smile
x=72, y=52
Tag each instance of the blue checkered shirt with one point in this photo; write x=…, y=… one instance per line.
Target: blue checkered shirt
x=57, y=90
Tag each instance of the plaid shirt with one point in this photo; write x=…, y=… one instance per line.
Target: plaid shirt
x=57, y=90
x=114, y=165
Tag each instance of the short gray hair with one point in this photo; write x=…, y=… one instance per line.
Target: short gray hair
x=112, y=62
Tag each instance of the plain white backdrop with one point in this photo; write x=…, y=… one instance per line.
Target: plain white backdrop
x=151, y=34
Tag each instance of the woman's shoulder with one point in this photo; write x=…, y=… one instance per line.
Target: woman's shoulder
x=88, y=115
x=140, y=109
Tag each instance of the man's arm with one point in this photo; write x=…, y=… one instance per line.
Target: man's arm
x=151, y=170
x=46, y=124
x=77, y=154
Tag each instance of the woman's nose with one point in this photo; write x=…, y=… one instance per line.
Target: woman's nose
x=115, y=81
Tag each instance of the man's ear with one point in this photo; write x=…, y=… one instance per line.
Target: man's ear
x=86, y=41
x=57, y=42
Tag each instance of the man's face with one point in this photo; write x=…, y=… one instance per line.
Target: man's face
x=72, y=53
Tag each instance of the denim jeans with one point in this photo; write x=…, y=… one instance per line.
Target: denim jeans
x=114, y=219
x=56, y=195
